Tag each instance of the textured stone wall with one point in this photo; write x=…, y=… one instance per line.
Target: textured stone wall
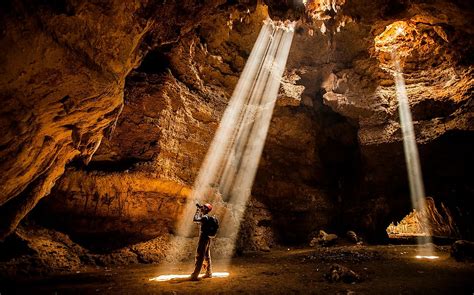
x=62, y=88
x=139, y=179
x=62, y=79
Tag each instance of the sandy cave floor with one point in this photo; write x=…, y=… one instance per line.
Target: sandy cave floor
x=383, y=269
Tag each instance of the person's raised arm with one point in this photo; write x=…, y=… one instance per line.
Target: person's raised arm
x=197, y=216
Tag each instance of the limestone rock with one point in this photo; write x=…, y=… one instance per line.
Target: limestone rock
x=135, y=204
x=62, y=94
x=62, y=80
x=324, y=239
x=256, y=231
x=427, y=222
x=33, y=250
x=290, y=93
x=353, y=237
x=39, y=251
x=338, y=273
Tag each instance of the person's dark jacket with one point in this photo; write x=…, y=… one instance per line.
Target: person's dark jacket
x=204, y=220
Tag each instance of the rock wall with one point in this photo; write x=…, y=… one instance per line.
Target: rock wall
x=61, y=92
x=62, y=79
x=439, y=83
x=335, y=123
x=359, y=141
x=36, y=251
x=138, y=180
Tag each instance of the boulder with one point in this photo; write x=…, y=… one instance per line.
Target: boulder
x=324, y=239
x=338, y=273
x=353, y=237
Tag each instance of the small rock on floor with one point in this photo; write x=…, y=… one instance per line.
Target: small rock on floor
x=339, y=273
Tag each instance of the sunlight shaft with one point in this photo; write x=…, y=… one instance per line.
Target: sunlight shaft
x=226, y=176
x=412, y=159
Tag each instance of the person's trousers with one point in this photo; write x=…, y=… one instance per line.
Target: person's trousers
x=203, y=255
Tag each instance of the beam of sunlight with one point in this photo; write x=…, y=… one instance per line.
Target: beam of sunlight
x=417, y=190
x=164, y=278
x=226, y=176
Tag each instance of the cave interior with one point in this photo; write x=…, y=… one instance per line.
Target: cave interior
x=109, y=108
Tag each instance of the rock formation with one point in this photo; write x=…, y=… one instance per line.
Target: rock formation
x=428, y=222
x=62, y=81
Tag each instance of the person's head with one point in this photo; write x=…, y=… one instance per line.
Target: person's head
x=206, y=208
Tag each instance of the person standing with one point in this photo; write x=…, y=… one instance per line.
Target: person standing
x=209, y=226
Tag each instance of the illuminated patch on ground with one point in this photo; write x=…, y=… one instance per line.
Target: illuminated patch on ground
x=426, y=257
x=164, y=278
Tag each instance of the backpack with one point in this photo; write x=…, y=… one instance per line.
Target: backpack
x=212, y=226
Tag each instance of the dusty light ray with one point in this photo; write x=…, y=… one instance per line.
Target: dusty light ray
x=251, y=111
x=231, y=162
x=256, y=138
x=412, y=159
x=221, y=142
x=220, y=147
x=246, y=175
x=227, y=127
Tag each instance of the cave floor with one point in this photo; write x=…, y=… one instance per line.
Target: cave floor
x=388, y=269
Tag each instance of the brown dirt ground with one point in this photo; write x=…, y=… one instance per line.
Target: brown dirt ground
x=384, y=270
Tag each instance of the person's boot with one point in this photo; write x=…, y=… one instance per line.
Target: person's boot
x=194, y=277
x=208, y=269
x=208, y=272
x=207, y=275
